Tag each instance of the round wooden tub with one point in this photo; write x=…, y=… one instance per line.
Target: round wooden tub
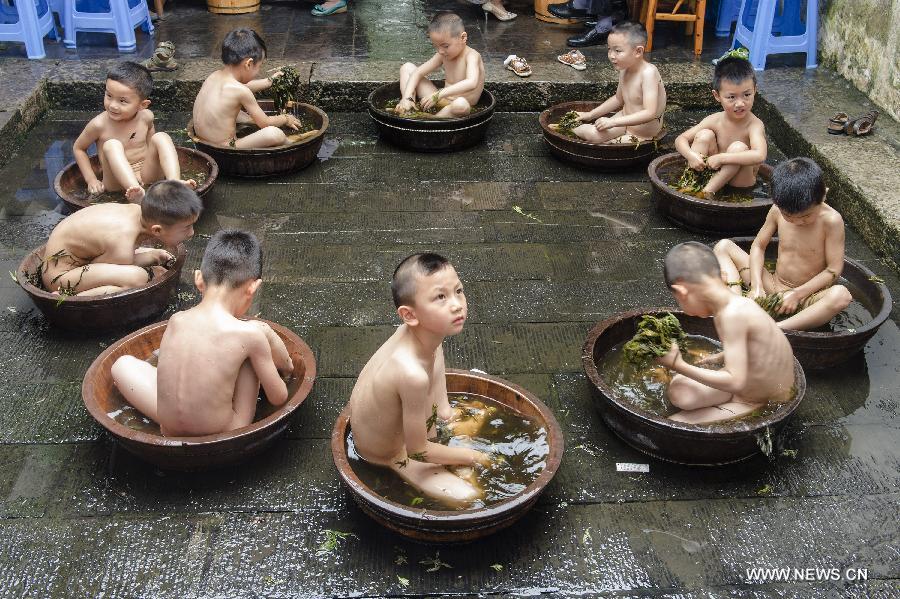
x=606, y=156
x=695, y=445
x=99, y=313
x=429, y=135
x=277, y=160
x=71, y=188
x=824, y=349
x=705, y=216
x=436, y=526
x=191, y=453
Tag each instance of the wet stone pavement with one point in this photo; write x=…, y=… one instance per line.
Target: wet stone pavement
x=81, y=518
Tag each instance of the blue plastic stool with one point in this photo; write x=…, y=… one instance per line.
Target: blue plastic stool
x=116, y=16
x=29, y=27
x=786, y=23
x=796, y=36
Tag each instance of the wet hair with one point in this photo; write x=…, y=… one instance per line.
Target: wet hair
x=633, y=32
x=797, y=184
x=135, y=76
x=232, y=257
x=170, y=202
x=734, y=70
x=690, y=262
x=446, y=22
x=241, y=44
x=403, y=283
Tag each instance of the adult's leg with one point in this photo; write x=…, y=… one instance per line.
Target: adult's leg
x=136, y=381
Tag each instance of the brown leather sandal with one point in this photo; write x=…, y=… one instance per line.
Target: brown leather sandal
x=862, y=125
x=837, y=125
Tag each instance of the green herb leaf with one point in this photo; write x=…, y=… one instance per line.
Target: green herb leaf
x=418, y=456
x=497, y=567
x=434, y=563
x=416, y=501
x=654, y=338
x=331, y=539
x=429, y=423
x=404, y=582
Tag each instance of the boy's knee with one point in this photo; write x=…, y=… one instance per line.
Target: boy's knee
x=136, y=277
x=407, y=68
x=738, y=146
x=705, y=135
x=112, y=145
x=161, y=138
x=276, y=134
x=678, y=394
x=121, y=367
x=840, y=297
x=723, y=247
x=460, y=106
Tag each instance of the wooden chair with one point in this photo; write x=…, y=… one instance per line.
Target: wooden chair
x=693, y=18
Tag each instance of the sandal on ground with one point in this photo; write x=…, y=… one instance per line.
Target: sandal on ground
x=319, y=10
x=501, y=13
x=862, y=125
x=574, y=59
x=162, y=58
x=837, y=125
x=517, y=65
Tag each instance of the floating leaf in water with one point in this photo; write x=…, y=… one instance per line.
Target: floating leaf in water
x=876, y=279
x=434, y=563
x=404, y=582
x=654, y=338
x=332, y=539
x=417, y=500
x=497, y=567
x=401, y=557
x=766, y=490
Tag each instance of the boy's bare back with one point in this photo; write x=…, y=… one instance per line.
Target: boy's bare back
x=103, y=233
x=200, y=357
x=218, y=104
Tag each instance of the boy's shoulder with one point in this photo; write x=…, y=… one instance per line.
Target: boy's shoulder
x=831, y=216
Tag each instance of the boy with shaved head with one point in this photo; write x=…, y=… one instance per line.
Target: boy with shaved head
x=463, y=72
x=758, y=361
x=404, y=382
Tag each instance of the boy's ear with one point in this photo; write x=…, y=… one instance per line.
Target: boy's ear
x=248, y=63
x=639, y=50
x=716, y=96
x=408, y=315
x=679, y=290
x=464, y=36
x=199, y=283
x=145, y=104
x=253, y=287
x=157, y=230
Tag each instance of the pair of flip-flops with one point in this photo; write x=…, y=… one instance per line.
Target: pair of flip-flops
x=163, y=58
x=843, y=124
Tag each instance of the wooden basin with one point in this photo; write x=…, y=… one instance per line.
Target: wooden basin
x=649, y=433
x=191, y=453
x=824, y=349
x=277, y=160
x=705, y=216
x=436, y=526
x=429, y=135
x=607, y=156
x=101, y=313
x=71, y=188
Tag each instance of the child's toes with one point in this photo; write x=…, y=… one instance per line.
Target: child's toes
x=190, y=183
x=134, y=194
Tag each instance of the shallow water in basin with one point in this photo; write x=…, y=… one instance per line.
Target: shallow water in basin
x=517, y=445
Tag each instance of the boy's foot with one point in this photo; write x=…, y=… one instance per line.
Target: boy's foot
x=517, y=65
x=574, y=59
x=134, y=194
x=190, y=183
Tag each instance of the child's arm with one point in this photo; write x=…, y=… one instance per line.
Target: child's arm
x=612, y=104
x=439, y=388
x=90, y=135
x=408, y=94
x=755, y=155
x=260, y=354
x=649, y=109
x=459, y=88
x=416, y=412
x=683, y=143
x=834, y=265
x=260, y=118
x=280, y=355
x=258, y=85
x=732, y=377
x=758, y=252
x=151, y=257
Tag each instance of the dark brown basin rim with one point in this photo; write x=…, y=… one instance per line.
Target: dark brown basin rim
x=877, y=319
x=723, y=430
x=765, y=170
x=180, y=254
x=473, y=516
x=273, y=149
x=544, y=120
x=120, y=430
x=201, y=189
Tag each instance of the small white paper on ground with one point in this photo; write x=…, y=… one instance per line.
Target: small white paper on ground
x=632, y=467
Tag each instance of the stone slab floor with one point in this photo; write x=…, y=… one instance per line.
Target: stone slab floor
x=79, y=518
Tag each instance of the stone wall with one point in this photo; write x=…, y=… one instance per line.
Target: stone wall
x=861, y=40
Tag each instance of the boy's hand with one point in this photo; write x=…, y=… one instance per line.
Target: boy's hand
x=480, y=458
x=275, y=75
x=790, y=301
x=162, y=256
x=404, y=106
x=95, y=187
x=696, y=161
x=583, y=116
x=292, y=122
x=603, y=123
x=716, y=358
x=670, y=358
x=756, y=293
x=431, y=100
x=715, y=162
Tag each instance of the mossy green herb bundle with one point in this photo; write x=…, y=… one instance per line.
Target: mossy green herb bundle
x=654, y=338
x=568, y=123
x=285, y=87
